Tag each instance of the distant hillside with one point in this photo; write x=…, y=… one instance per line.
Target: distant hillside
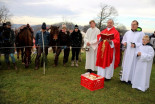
x=70, y=26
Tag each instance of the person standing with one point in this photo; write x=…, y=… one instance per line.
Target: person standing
x=76, y=41
x=153, y=35
x=108, y=54
x=131, y=40
x=152, y=40
x=1, y=30
x=90, y=41
x=63, y=43
x=8, y=39
x=145, y=54
x=41, y=36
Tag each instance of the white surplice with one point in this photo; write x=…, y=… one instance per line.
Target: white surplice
x=142, y=71
x=91, y=37
x=129, y=58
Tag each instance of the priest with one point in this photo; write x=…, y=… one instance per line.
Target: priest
x=91, y=46
x=108, y=54
x=131, y=41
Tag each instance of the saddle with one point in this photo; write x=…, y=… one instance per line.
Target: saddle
x=24, y=27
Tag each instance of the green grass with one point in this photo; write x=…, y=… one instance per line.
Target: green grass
x=61, y=85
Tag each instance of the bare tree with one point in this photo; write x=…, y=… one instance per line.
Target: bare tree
x=106, y=12
x=4, y=14
x=121, y=29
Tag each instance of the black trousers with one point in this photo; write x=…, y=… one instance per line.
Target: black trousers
x=39, y=51
x=75, y=53
x=66, y=55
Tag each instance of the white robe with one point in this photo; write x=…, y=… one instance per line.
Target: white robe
x=91, y=37
x=108, y=71
x=141, y=77
x=129, y=58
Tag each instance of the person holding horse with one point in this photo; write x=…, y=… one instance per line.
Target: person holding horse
x=8, y=39
x=39, y=42
x=63, y=43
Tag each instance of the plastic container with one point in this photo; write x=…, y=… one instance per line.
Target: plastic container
x=92, y=84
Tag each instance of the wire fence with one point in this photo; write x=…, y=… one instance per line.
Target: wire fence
x=40, y=46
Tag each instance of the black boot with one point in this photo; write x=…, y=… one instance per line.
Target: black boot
x=89, y=70
x=37, y=64
x=0, y=65
x=8, y=65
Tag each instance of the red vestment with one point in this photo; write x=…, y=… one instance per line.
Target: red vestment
x=105, y=52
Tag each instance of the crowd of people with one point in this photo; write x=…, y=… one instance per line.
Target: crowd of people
x=102, y=55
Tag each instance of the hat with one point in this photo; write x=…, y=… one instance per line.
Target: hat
x=4, y=24
x=64, y=26
x=8, y=23
x=43, y=26
x=76, y=26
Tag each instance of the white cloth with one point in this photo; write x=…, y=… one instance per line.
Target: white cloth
x=108, y=71
x=91, y=37
x=129, y=58
x=141, y=77
x=109, y=29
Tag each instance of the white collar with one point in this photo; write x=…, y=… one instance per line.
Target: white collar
x=93, y=28
x=109, y=28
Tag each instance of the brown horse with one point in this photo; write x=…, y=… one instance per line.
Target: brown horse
x=54, y=31
x=24, y=42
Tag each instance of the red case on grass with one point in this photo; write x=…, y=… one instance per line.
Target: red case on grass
x=92, y=84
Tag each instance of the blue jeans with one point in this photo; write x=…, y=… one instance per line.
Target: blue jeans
x=12, y=58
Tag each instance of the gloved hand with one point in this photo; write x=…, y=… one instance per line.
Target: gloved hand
x=64, y=47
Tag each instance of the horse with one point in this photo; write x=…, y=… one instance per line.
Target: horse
x=24, y=42
x=54, y=31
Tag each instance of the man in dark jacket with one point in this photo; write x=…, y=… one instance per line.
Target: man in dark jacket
x=1, y=40
x=152, y=40
x=42, y=38
x=153, y=35
x=8, y=39
x=76, y=41
x=63, y=43
x=1, y=29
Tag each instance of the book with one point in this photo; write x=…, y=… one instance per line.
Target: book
x=107, y=36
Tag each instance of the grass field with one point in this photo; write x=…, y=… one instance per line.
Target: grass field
x=61, y=85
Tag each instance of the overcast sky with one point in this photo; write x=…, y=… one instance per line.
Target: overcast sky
x=81, y=11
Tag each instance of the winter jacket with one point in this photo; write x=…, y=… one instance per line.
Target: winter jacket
x=76, y=39
x=8, y=40
x=64, y=38
x=38, y=38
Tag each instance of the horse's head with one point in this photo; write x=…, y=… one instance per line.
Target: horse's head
x=54, y=30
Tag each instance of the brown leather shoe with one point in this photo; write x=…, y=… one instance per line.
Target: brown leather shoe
x=36, y=68
x=64, y=65
x=15, y=66
x=54, y=65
